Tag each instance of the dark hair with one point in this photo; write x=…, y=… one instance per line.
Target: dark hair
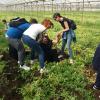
x=15, y=22
x=33, y=21
x=4, y=21
x=15, y=19
x=55, y=15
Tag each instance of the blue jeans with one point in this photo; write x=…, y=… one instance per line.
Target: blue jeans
x=66, y=42
x=35, y=49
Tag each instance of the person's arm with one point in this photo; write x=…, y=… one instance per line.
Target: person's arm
x=59, y=34
x=65, y=29
x=56, y=39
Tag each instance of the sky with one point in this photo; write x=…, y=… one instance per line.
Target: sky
x=12, y=1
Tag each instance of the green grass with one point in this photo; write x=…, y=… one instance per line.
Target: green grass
x=63, y=80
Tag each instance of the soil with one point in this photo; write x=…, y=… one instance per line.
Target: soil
x=11, y=79
x=91, y=75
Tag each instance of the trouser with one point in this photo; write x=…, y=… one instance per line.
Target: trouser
x=18, y=45
x=13, y=52
x=35, y=49
x=96, y=65
x=66, y=42
x=97, y=83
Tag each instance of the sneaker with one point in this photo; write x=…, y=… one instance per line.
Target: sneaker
x=95, y=87
x=18, y=62
x=43, y=70
x=71, y=61
x=25, y=67
x=60, y=56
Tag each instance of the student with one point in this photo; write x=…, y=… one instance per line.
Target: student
x=96, y=67
x=14, y=34
x=12, y=51
x=33, y=21
x=30, y=36
x=6, y=26
x=50, y=54
x=67, y=34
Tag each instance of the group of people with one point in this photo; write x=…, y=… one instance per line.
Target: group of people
x=30, y=33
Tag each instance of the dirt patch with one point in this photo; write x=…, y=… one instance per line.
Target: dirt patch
x=89, y=72
x=91, y=75
x=37, y=73
x=10, y=82
x=12, y=78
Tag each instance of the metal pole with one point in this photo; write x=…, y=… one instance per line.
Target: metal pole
x=52, y=6
x=83, y=12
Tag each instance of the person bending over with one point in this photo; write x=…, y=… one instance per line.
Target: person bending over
x=30, y=39
x=14, y=33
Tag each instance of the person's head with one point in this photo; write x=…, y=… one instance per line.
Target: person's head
x=56, y=16
x=47, y=23
x=45, y=40
x=33, y=21
x=4, y=21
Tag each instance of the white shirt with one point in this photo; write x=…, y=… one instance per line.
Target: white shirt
x=34, y=30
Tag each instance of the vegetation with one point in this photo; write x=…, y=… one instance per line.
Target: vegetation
x=63, y=81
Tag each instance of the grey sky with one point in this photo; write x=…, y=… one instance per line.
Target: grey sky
x=16, y=1
x=12, y=1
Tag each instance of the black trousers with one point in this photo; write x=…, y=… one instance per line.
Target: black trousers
x=96, y=65
x=13, y=52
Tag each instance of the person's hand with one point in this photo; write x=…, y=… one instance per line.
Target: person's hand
x=54, y=42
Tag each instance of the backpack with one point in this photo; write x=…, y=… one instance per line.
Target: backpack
x=17, y=22
x=71, y=24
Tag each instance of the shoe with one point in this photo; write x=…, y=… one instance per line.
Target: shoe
x=95, y=87
x=18, y=62
x=31, y=62
x=1, y=56
x=60, y=56
x=71, y=61
x=43, y=70
x=25, y=67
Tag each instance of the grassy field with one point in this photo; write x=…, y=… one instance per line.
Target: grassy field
x=63, y=81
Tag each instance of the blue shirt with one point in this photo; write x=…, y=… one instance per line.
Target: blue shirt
x=16, y=32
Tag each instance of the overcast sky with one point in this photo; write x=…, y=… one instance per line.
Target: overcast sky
x=12, y=1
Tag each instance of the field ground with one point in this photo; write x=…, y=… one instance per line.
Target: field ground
x=63, y=81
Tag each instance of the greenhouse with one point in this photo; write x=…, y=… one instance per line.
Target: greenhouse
x=49, y=50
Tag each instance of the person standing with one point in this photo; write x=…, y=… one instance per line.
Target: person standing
x=30, y=39
x=67, y=35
